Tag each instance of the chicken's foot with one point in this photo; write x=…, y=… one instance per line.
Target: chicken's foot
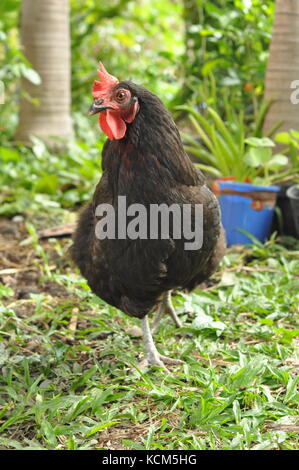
x=154, y=358
x=166, y=307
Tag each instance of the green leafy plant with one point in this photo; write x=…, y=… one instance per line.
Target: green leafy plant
x=266, y=166
x=35, y=177
x=291, y=141
x=229, y=38
x=224, y=150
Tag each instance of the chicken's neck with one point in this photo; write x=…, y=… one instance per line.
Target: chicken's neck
x=151, y=155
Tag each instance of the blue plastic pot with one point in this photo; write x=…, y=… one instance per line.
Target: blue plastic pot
x=247, y=207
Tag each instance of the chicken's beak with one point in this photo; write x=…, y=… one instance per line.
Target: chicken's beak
x=98, y=107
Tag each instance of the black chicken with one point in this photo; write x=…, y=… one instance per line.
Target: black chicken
x=143, y=159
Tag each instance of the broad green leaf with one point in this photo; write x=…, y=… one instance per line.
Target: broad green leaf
x=230, y=81
x=283, y=138
x=203, y=321
x=8, y=155
x=294, y=133
x=278, y=160
x=31, y=75
x=259, y=142
x=258, y=156
x=47, y=184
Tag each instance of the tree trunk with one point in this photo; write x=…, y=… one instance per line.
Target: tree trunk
x=46, y=41
x=283, y=67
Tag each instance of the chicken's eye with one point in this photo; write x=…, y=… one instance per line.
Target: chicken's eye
x=121, y=95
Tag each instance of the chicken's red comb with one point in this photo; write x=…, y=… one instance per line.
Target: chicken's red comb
x=101, y=88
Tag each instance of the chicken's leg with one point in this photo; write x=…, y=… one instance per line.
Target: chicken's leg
x=154, y=358
x=166, y=307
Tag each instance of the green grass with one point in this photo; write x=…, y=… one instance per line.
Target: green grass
x=71, y=376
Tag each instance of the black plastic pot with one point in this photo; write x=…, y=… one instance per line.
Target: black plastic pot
x=286, y=226
x=293, y=195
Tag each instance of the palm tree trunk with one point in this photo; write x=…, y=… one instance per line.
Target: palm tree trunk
x=283, y=67
x=46, y=41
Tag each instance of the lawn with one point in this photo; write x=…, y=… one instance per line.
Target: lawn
x=72, y=371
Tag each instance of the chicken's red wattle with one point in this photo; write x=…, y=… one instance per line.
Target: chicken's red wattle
x=112, y=125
